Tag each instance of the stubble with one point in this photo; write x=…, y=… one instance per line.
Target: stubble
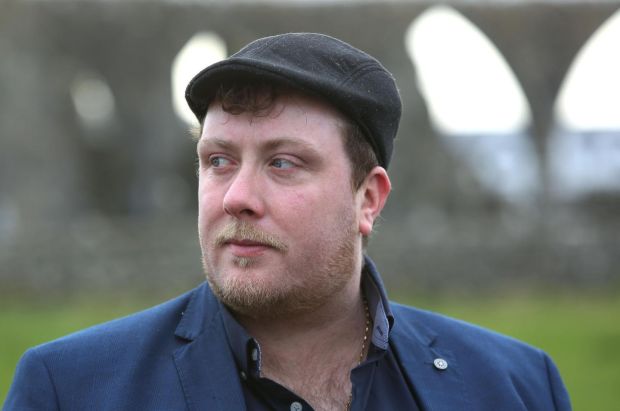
x=307, y=283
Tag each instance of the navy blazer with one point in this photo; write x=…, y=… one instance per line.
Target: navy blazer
x=175, y=356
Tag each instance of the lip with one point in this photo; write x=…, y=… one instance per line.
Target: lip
x=243, y=248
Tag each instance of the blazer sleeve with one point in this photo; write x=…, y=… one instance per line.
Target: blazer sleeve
x=558, y=390
x=32, y=387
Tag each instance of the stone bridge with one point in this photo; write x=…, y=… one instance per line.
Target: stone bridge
x=103, y=197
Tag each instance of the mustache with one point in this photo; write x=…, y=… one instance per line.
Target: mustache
x=243, y=231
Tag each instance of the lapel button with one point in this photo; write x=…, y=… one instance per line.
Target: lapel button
x=440, y=364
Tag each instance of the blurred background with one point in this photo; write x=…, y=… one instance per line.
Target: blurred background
x=505, y=208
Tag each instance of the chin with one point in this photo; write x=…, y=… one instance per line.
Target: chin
x=255, y=295
x=252, y=296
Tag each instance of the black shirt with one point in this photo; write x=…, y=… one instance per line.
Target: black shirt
x=378, y=382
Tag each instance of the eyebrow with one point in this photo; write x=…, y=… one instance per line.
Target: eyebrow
x=270, y=145
x=281, y=142
x=218, y=142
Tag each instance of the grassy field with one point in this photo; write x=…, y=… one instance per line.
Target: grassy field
x=582, y=334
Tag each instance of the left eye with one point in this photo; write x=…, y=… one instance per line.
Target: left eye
x=282, y=163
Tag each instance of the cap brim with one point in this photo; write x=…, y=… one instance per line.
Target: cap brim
x=202, y=88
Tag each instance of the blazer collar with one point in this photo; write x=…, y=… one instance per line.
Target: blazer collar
x=210, y=379
x=205, y=364
x=416, y=346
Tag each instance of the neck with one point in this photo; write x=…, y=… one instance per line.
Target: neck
x=313, y=353
x=334, y=317
x=335, y=321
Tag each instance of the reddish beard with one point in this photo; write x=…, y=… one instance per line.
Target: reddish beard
x=259, y=296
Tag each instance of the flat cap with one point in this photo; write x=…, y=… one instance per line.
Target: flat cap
x=351, y=80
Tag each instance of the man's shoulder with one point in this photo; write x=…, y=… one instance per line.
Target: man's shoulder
x=516, y=371
x=461, y=335
x=156, y=324
x=113, y=363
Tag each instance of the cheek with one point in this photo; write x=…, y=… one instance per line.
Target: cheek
x=311, y=211
x=298, y=201
x=304, y=203
x=209, y=196
x=204, y=206
x=209, y=207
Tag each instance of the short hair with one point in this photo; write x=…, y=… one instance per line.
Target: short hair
x=258, y=98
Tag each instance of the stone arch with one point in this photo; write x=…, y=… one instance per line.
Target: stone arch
x=475, y=102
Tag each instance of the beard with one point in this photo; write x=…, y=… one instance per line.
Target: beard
x=305, y=283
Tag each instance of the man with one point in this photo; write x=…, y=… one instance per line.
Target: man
x=296, y=136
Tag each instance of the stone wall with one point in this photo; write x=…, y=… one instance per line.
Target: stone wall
x=114, y=206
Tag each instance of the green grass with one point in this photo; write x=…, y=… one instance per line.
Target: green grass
x=582, y=334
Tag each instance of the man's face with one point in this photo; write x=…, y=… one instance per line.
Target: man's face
x=278, y=221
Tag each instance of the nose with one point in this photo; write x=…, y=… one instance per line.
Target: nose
x=243, y=197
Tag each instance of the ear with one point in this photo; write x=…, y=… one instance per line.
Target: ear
x=372, y=196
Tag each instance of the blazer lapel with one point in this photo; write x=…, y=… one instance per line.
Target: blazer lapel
x=205, y=364
x=436, y=389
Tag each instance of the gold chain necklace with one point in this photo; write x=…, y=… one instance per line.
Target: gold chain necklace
x=364, y=341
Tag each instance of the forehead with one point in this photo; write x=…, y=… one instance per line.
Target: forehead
x=291, y=114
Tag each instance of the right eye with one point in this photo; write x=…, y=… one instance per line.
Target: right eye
x=218, y=161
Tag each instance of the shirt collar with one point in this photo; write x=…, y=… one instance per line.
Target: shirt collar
x=378, y=304
x=246, y=349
